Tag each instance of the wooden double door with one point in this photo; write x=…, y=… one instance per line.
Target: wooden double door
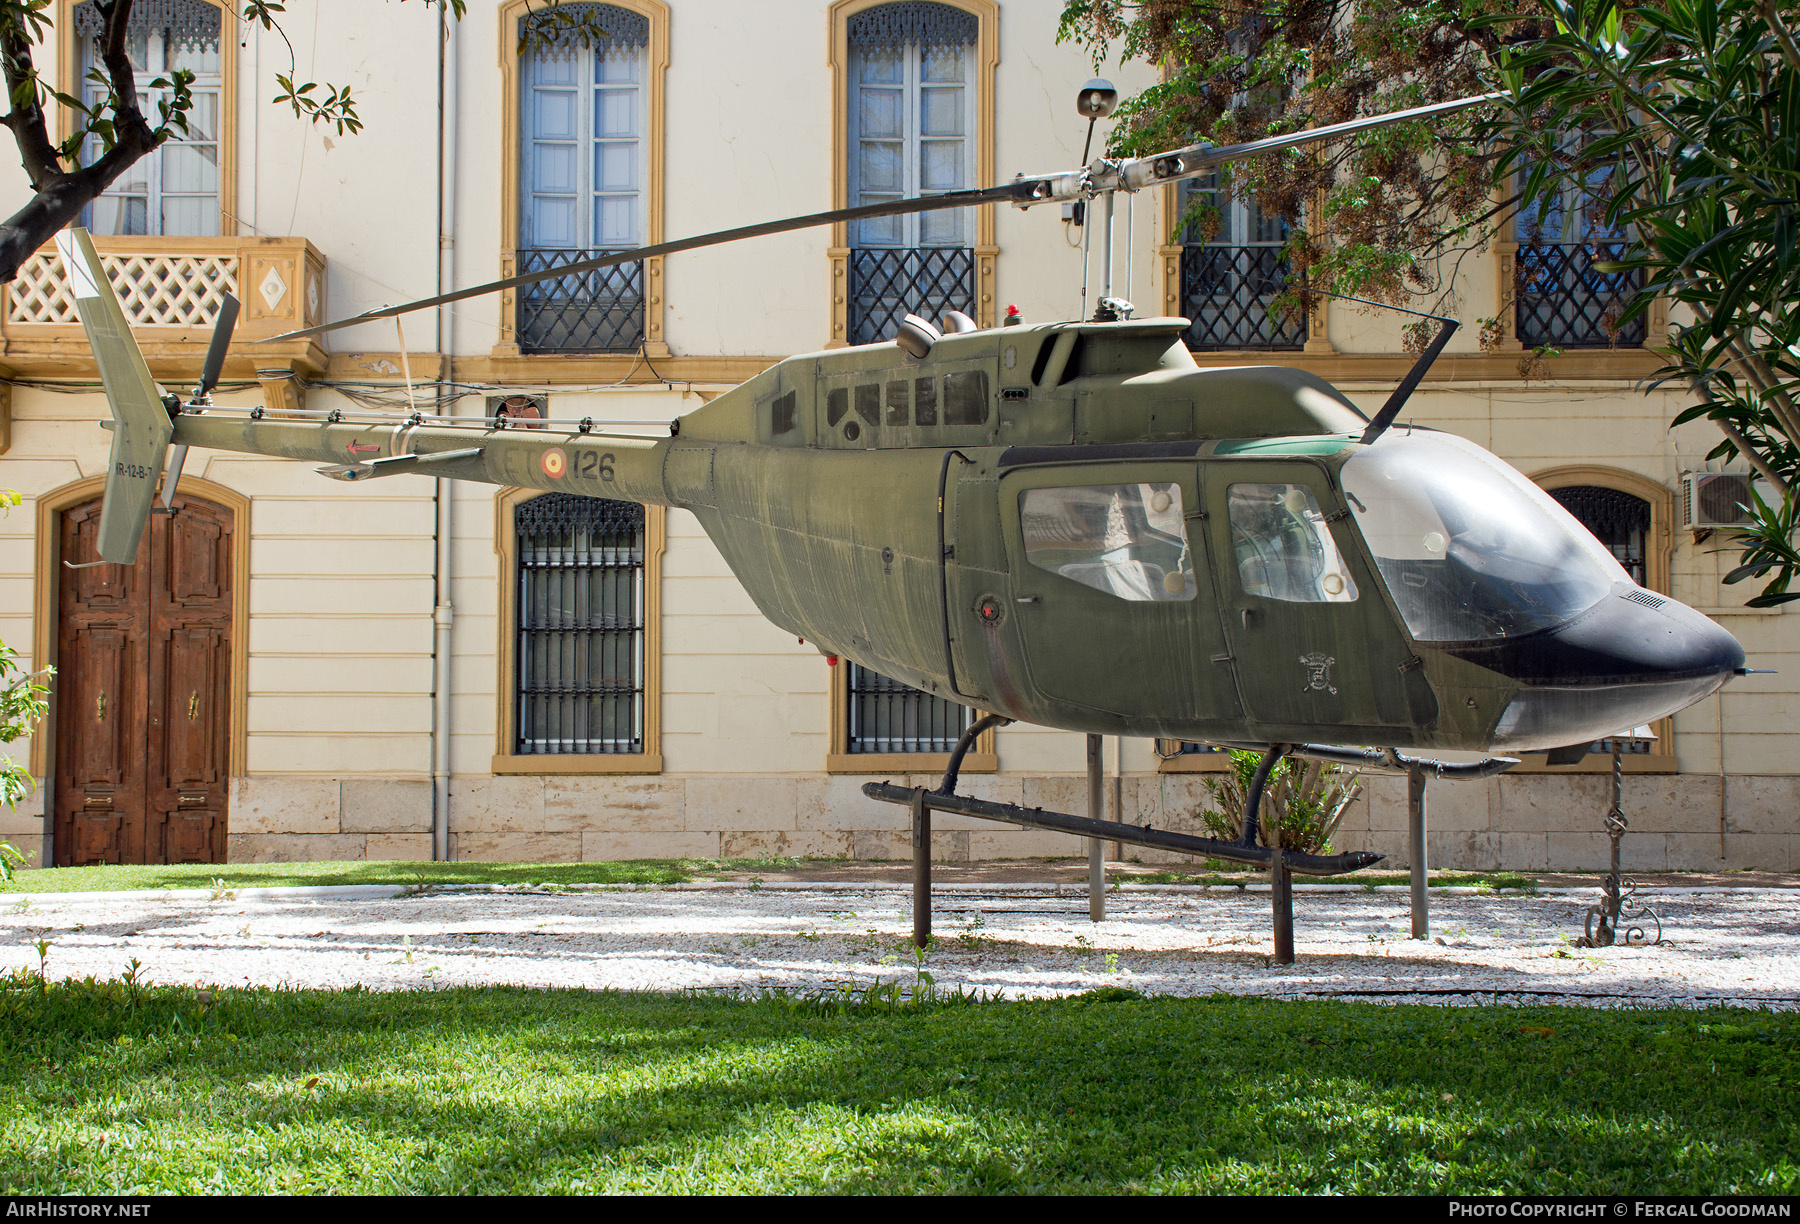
x=143, y=691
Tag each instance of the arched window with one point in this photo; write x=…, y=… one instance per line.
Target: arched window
x=1617, y=519
x=175, y=190
x=584, y=158
x=1633, y=517
x=583, y=166
x=913, y=117
x=579, y=634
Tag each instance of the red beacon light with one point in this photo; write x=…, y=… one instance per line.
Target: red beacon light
x=1013, y=317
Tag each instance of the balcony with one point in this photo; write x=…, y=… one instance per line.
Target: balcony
x=1562, y=301
x=1225, y=294
x=601, y=311
x=171, y=289
x=888, y=283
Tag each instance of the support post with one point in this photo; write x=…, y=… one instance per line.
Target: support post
x=1281, y=880
x=1281, y=897
x=921, y=843
x=1415, y=846
x=1096, y=811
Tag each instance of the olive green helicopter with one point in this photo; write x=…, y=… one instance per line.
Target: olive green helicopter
x=1065, y=523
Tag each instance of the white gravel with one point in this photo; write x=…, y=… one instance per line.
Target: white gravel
x=1730, y=946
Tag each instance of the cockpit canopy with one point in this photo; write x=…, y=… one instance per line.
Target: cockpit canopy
x=1469, y=548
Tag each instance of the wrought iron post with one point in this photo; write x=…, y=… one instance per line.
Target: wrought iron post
x=1616, y=908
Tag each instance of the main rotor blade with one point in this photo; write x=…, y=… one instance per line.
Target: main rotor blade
x=221, y=341
x=1132, y=174
x=1020, y=189
x=1199, y=159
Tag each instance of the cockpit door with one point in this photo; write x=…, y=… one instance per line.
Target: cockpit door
x=1315, y=648
x=1109, y=591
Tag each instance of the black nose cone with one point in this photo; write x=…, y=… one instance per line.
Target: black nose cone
x=1631, y=659
x=1633, y=636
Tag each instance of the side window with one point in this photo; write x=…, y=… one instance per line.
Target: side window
x=897, y=403
x=868, y=403
x=1283, y=545
x=966, y=398
x=837, y=405
x=781, y=414
x=1127, y=540
x=925, y=404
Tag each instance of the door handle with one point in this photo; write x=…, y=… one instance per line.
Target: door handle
x=1250, y=617
x=100, y=707
x=194, y=705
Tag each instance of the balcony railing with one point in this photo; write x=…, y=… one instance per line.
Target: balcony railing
x=601, y=311
x=1563, y=301
x=171, y=289
x=889, y=283
x=1225, y=293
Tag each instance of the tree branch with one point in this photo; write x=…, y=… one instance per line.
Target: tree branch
x=30, y=127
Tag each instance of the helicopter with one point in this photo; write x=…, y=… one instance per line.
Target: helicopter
x=1067, y=523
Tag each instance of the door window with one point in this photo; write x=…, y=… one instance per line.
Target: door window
x=1283, y=545
x=1127, y=540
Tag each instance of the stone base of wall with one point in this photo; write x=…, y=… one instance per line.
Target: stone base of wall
x=1528, y=822
x=1524, y=822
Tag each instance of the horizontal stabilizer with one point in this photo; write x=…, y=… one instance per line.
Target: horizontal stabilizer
x=395, y=465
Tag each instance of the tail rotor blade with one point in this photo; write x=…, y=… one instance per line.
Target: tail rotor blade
x=221, y=341
x=172, y=477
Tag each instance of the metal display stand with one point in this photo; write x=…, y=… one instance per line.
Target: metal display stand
x=1281, y=864
x=1618, y=918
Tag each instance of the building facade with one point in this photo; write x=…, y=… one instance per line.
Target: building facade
x=302, y=669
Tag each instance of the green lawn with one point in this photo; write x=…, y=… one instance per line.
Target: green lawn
x=108, y=1089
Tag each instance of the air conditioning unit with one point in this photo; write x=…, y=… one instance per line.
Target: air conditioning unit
x=1719, y=499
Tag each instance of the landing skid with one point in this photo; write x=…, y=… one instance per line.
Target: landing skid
x=1280, y=863
x=1133, y=835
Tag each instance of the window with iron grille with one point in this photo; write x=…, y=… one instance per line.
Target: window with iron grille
x=1560, y=299
x=1229, y=283
x=584, y=162
x=1621, y=522
x=912, y=119
x=175, y=189
x=580, y=617
x=888, y=716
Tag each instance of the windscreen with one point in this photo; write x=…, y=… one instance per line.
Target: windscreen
x=1470, y=549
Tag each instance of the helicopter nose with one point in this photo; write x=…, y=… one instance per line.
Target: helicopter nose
x=1633, y=658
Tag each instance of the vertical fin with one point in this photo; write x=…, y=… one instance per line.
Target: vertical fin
x=141, y=426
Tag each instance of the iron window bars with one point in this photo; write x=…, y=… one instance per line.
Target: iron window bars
x=580, y=685
x=888, y=716
x=599, y=311
x=1561, y=300
x=888, y=283
x=1225, y=293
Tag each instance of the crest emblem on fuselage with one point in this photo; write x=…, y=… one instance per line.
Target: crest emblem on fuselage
x=1318, y=672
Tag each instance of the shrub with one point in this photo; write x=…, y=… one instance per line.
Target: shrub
x=1305, y=800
